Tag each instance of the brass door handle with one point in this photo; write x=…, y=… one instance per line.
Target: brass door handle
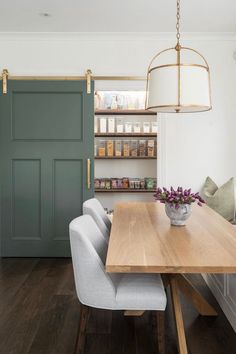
x=88, y=173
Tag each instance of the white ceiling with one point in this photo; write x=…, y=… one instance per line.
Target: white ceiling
x=116, y=15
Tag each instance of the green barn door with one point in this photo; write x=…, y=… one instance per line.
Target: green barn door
x=46, y=138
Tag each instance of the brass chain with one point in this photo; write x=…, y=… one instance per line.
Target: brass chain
x=177, y=23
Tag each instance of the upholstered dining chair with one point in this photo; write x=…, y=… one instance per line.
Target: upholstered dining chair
x=98, y=289
x=95, y=209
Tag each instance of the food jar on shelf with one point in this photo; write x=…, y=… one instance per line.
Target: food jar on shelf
x=97, y=183
x=146, y=127
x=120, y=101
x=114, y=183
x=119, y=126
x=150, y=148
x=137, y=183
x=118, y=148
x=125, y=182
x=149, y=183
x=102, y=125
x=111, y=125
x=154, y=127
x=108, y=183
x=142, y=148
x=97, y=100
x=131, y=183
x=134, y=148
x=102, y=183
x=102, y=148
x=126, y=148
x=137, y=127
x=128, y=127
x=119, y=183
x=110, y=148
x=142, y=183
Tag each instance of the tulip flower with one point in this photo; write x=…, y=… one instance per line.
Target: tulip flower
x=177, y=197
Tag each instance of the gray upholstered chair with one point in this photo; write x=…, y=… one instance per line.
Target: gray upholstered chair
x=94, y=208
x=98, y=289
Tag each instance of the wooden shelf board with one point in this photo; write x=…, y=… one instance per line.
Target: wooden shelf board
x=125, y=158
x=124, y=112
x=120, y=190
x=141, y=135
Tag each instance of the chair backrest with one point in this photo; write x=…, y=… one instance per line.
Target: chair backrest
x=94, y=286
x=94, y=208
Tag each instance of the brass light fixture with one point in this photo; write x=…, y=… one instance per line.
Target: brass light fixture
x=5, y=75
x=173, y=84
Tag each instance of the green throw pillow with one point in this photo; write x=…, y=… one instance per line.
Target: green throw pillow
x=221, y=199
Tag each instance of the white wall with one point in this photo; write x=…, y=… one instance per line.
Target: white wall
x=193, y=145
x=204, y=144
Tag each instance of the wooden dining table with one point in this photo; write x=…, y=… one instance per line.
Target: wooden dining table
x=143, y=241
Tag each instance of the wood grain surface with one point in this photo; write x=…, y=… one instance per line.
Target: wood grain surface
x=142, y=240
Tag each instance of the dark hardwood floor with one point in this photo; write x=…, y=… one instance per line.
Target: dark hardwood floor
x=39, y=313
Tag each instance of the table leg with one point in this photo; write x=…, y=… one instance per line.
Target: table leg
x=193, y=295
x=182, y=346
x=179, y=283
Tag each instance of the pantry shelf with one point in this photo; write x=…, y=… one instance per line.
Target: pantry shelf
x=124, y=190
x=141, y=112
x=124, y=131
x=123, y=135
x=125, y=157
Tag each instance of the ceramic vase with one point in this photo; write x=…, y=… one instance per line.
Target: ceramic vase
x=178, y=216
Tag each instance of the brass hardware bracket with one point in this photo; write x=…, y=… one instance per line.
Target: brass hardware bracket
x=5, y=75
x=88, y=173
x=88, y=78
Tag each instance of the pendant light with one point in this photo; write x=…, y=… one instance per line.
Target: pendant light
x=178, y=79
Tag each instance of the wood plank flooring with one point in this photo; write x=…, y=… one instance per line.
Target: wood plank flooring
x=39, y=313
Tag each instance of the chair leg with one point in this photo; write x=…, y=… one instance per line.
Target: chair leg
x=160, y=315
x=84, y=314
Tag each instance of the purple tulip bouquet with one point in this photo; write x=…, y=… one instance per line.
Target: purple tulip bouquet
x=175, y=198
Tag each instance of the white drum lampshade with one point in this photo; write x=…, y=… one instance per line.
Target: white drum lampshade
x=179, y=86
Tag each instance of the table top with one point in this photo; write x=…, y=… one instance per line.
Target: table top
x=142, y=240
